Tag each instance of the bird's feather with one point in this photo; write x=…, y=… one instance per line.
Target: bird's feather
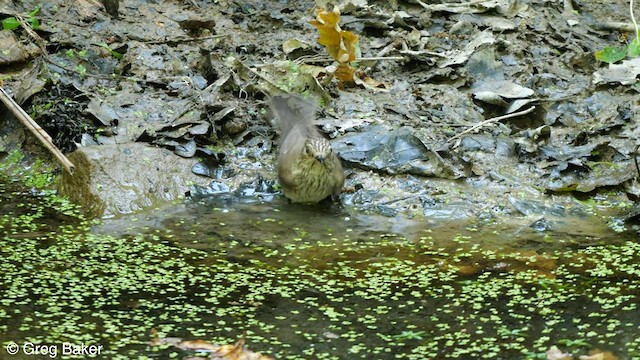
x=308, y=169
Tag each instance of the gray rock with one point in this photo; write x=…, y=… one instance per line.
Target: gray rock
x=125, y=178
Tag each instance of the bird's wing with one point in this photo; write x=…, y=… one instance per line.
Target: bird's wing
x=291, y=111
x=289, y=155
x=338, y=174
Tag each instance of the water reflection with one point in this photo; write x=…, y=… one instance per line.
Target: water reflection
x=278, y=221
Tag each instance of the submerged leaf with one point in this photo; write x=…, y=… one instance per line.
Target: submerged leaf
x=236, y=351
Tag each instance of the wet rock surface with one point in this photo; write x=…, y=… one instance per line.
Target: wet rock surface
x=502, y=96
x=125, y=178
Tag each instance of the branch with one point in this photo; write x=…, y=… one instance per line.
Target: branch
x=39, y=132
x=491, y=121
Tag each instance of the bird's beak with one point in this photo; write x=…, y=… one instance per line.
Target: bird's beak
x=320, y=158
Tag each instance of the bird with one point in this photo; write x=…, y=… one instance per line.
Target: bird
x=309, y=170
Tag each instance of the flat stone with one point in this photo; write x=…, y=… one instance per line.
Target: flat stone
x=125, y=178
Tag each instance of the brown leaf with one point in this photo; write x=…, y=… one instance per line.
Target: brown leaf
x=224, y=352
x=370, y=83
x=197, y=345
x=345, y=72
x=556, y=354
x=596, y=354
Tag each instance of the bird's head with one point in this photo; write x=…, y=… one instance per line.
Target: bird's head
x=318, y=149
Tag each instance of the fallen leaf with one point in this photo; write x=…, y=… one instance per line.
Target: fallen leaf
x=596, y=354
x=556, y=354
x=340, y=44
x=197, y=345
x=236, y=351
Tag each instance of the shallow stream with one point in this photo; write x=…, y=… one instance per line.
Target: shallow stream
x=320, y=282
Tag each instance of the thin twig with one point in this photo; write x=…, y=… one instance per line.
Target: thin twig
x=39, y=132
x=423, y=52
x=491, y=121
x=183, y=39
x=33, y=35
x=379, y=58
x=326, y=59
x=633, y=18
x=448, y=5
x=635, y=159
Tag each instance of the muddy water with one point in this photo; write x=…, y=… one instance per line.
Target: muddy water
x=317, y=282
x=344, y=285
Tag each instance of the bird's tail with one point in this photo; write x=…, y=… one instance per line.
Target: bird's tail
x=291, y=112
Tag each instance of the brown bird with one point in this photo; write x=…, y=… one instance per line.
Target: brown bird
x=308, y=169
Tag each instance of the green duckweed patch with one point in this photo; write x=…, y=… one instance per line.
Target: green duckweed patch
x=303, y=294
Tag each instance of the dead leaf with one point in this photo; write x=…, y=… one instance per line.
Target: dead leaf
x=340, y=44
x=370, y=83
x=556, y=354
x=345, y=72
x=197, y=345
x=596, y=354
x=291, y=45
x=625, y=73
x=236, y=351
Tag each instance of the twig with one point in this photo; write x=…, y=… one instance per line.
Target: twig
x=633, y=18
x=448, y=5
x=612, y=25
x=326, y=59
x=183, y=39
x=42, y=135
x=423, y=52
x=33, y=35
x=490, y=121
x=379, y=58
x=635, y=159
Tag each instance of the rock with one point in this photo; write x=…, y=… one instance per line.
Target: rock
x=125, y=178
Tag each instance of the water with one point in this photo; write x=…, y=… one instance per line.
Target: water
x=315, y=282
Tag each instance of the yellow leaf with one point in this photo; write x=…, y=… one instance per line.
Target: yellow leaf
x=341, y=45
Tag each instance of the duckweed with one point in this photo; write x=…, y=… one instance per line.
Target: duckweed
x=331, y=295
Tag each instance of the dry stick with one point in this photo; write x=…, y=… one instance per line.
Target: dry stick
x=492, y=120
x=310, y=59
x=612, y=25
x=635, y=159
x=431, y=7
x=42, y=135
